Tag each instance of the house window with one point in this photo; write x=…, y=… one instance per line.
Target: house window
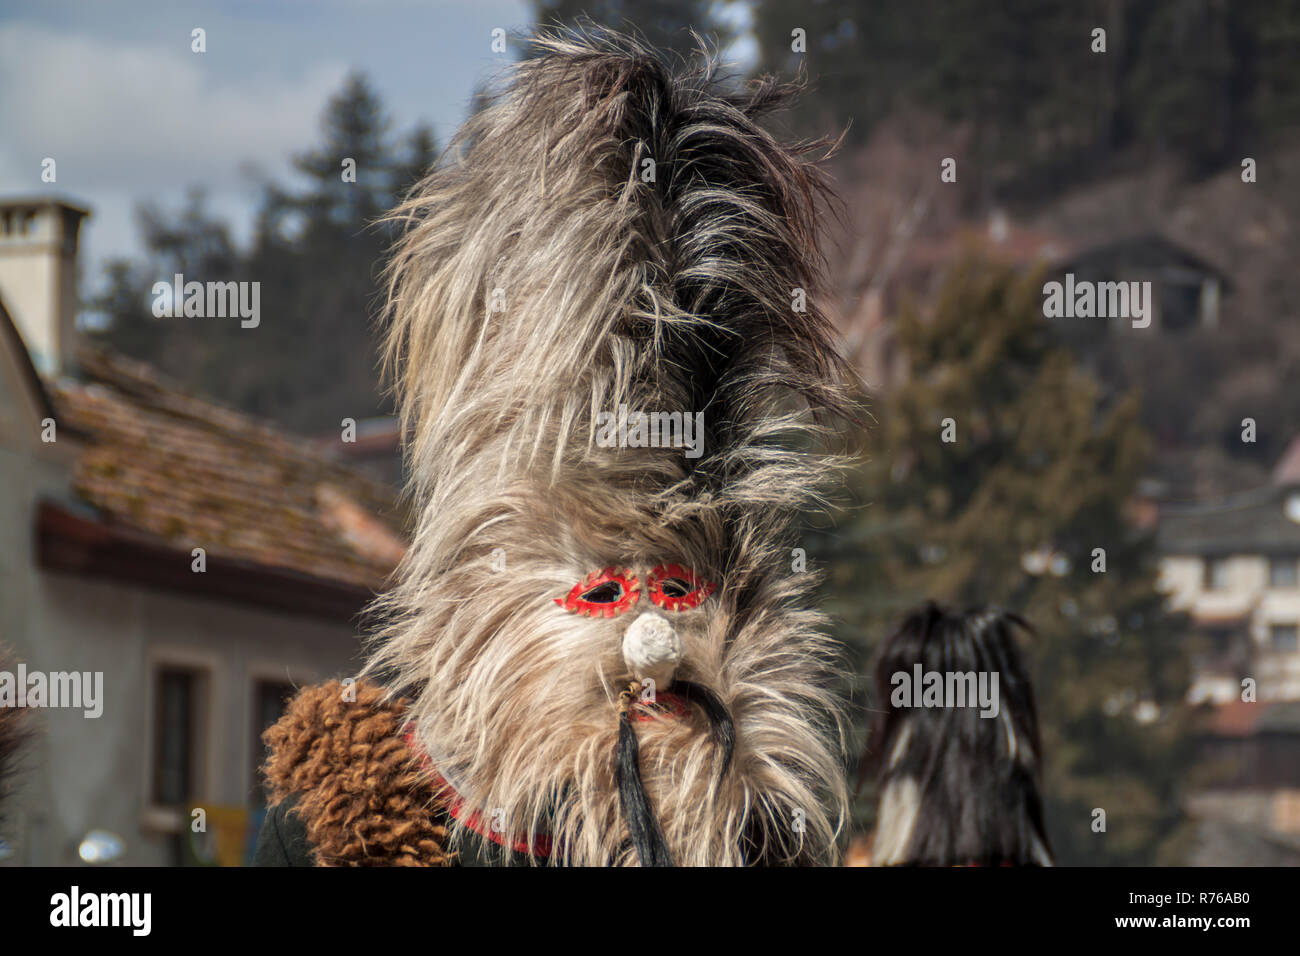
x=1219, y=640
x=1216, y=574
x=1210, y=303
x=1283, y=637
x=176, y=735
x=1180, y=305
x=270, y=698
x=1282, y=572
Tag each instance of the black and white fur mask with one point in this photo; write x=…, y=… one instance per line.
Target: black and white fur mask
x=603, y=234
x=958, y=784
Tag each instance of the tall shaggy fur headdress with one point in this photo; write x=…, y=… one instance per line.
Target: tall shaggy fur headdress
x=607, y=235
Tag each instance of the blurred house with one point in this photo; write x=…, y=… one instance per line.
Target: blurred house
x=200, y=561
x=1234, y=566
x=912, y=268
x=375, y=448
x=1187, y=289
x=1247, y=800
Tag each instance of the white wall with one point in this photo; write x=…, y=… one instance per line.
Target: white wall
x=1248, y=594
x=93, y=773
x=81, y=773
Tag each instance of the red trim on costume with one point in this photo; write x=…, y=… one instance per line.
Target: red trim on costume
x=473, y=819
x=629, y=594
x=699, y=589
x=665, y=705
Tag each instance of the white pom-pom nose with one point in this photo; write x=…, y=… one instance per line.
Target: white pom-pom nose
x=651, y=650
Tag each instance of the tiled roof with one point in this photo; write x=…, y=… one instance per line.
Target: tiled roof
x=1019, y=246
x=1245, y=719
x=1234, y=719
x=1287, y=470
x=1256, y=522
x=193, y=474
x=1149, y=250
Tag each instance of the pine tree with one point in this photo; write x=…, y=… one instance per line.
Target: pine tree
x=421, y=155
x=355, y=128
x=1012, y=510
x=1193, y=78
x=666, y=24
x=191, y=242
x=316, y=252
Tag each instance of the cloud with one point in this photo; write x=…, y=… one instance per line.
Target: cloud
x=114, y=95
x=117, y=115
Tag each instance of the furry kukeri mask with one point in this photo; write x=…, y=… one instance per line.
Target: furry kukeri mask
x=600, y=628
x=959, y=780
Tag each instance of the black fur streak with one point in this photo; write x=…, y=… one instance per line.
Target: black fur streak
x=724, y=730
x=648, y=839
x=978, y=805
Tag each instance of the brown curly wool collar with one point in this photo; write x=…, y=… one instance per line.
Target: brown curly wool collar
x=338, y=754
x=15, y=731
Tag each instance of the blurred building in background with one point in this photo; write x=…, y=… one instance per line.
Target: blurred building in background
x=1234, y=566
x=202, y=562
x=1231, y=561
x=1246, y=797
x=377, y=450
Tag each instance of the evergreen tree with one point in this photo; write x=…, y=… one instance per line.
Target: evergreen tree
x=1012, y=511
x=316, y=252
x=666, y=24
x=1189, y=77
x=355, y=129
x=1021, y=72
x=421, y=153
x=1184, y=85
x=1271, y=46
x=190, y=242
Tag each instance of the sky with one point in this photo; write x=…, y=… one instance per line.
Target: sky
x=111, y=90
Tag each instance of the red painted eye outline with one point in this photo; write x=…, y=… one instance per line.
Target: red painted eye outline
x=675, y=588
x=606, y=593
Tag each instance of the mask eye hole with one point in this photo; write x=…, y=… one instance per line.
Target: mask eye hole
x=675, y=588
x=604, y=593
x=607, y=593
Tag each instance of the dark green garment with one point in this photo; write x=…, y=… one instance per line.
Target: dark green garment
x=283, y=839
x=283, y=842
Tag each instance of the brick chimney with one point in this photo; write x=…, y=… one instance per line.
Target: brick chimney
x=38, y=277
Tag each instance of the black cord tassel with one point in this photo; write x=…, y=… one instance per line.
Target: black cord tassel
x=647, y=838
